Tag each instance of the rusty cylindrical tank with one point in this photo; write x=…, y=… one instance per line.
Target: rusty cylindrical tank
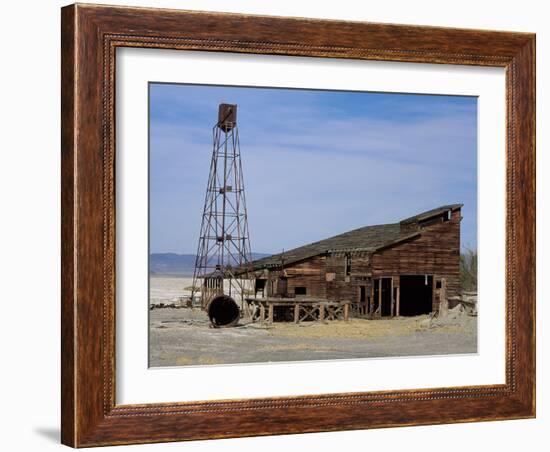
x=223, y=311
x=227, y=116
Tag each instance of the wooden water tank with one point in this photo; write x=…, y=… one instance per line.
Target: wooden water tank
x=227, y=117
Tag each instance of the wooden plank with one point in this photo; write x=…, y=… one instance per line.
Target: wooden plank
x=371, y=298
x=392, y=299
x=398, y=300
x=68, y=217
x=443, y=304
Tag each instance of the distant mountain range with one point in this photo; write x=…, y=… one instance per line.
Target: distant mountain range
x=178, y=264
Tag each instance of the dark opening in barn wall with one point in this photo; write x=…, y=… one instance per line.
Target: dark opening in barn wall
x=284, y=314
x=416, y=294
x=382, y=297
x=362, y=294
x=260, y=285
x=386, y=297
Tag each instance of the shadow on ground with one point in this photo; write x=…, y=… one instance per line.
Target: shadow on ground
x=51, y=433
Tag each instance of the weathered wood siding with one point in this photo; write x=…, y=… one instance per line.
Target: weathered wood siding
x=342, y=288
x=435, y=252
x=309, y=274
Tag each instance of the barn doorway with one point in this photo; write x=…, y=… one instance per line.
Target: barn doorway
x=416, y=295
x=382, y=297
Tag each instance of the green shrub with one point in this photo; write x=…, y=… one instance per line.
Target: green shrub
x=468, y=270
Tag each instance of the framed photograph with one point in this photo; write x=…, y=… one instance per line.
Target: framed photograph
x=281, y=225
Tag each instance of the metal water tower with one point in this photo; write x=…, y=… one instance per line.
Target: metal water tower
x=223, y=253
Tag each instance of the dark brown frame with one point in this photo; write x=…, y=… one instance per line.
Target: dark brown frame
x=90, y=35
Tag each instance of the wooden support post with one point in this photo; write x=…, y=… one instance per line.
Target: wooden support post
x=369, y=307
x=296, y=313
x=346, y=312
x=270, y=313
x=397, y=300
x=392, y=299
x=435, y=301
x=443, y=303
x=262, y=313
x=321, y=312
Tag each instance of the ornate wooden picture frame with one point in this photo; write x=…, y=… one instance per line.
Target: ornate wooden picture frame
x=90, y=37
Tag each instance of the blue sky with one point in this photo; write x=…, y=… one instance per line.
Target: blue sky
x=315, y=163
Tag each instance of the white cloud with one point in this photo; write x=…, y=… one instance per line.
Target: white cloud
x=310, y=172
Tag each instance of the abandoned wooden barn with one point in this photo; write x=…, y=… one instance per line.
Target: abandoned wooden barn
x=381, y=271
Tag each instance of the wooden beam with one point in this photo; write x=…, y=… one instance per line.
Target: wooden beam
x=397, y=301
x=443, y=304
x=371, y=298
x=392, y=299
x=434, y=290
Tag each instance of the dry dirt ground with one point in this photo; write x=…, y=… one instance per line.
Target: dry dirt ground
x=179, y=337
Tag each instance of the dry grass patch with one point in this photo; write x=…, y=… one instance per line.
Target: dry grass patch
x=353, y=329
x=201, y=360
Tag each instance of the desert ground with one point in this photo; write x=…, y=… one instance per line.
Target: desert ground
x=169, y=289
x=183, y=336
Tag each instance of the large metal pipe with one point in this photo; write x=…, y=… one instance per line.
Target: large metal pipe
x=223, y=311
